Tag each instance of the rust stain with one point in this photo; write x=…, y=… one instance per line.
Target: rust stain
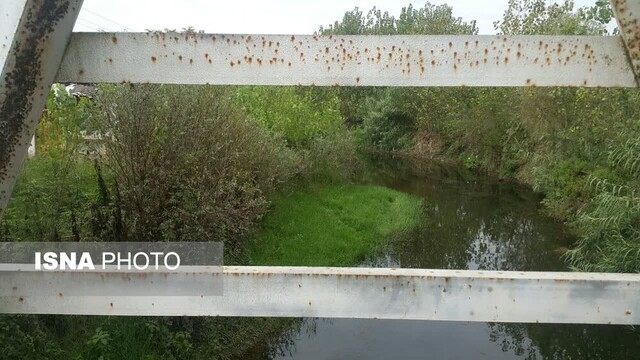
x=24, y=76
x=627, y=14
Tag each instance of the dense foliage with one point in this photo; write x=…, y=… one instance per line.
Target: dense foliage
x=55, y=191
x=189, y=166
x=309, y=121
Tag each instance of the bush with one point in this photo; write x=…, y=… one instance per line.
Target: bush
x=60, y=129
x=188, y=165
x=293, y=113
x=331, y=159
x=26, y=337
x=56, y=189
x=563, y=183
x=51, y=201
x=310, y=122
x=610, y=223
x=386, y=126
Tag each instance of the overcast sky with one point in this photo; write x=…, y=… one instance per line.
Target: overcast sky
x=259, y=16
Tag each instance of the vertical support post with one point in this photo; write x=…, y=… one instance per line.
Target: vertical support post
x=33, y=37
x=627, y=14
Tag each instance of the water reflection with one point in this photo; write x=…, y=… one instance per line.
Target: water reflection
x=471, y=222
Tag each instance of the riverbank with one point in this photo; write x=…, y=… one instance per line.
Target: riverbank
x=335, y=225
x=320, y=225
x=332, y=225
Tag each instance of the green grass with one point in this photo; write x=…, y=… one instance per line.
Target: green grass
x=48, y=193
x=332, y=225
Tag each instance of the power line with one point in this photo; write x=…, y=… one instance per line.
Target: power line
x=89, y=27
x=107, y=19
x=100, y=27
x=80, y=22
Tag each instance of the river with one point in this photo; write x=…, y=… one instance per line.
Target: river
x=471, y=222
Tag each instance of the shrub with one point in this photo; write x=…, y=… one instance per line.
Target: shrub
x=60, y=129
x=386, y=126
x=310, y=122
x=188, y=164
x=330, y=159
x=50, y=202
x=563, y=183
x=295, y=114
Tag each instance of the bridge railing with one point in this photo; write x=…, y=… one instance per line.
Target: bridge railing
x=38, y=48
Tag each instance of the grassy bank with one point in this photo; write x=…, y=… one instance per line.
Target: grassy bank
x=331, y=225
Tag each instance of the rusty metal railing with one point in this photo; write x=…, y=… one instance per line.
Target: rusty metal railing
x=593, y=61
x=416, y=294
x=35, y=33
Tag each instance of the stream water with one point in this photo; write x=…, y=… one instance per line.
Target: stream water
x=471, y=222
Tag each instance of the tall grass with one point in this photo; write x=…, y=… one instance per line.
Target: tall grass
x=610, y=223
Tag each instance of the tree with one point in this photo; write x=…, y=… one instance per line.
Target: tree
x=356, y=104
x=428, y=20
x=535, y=17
